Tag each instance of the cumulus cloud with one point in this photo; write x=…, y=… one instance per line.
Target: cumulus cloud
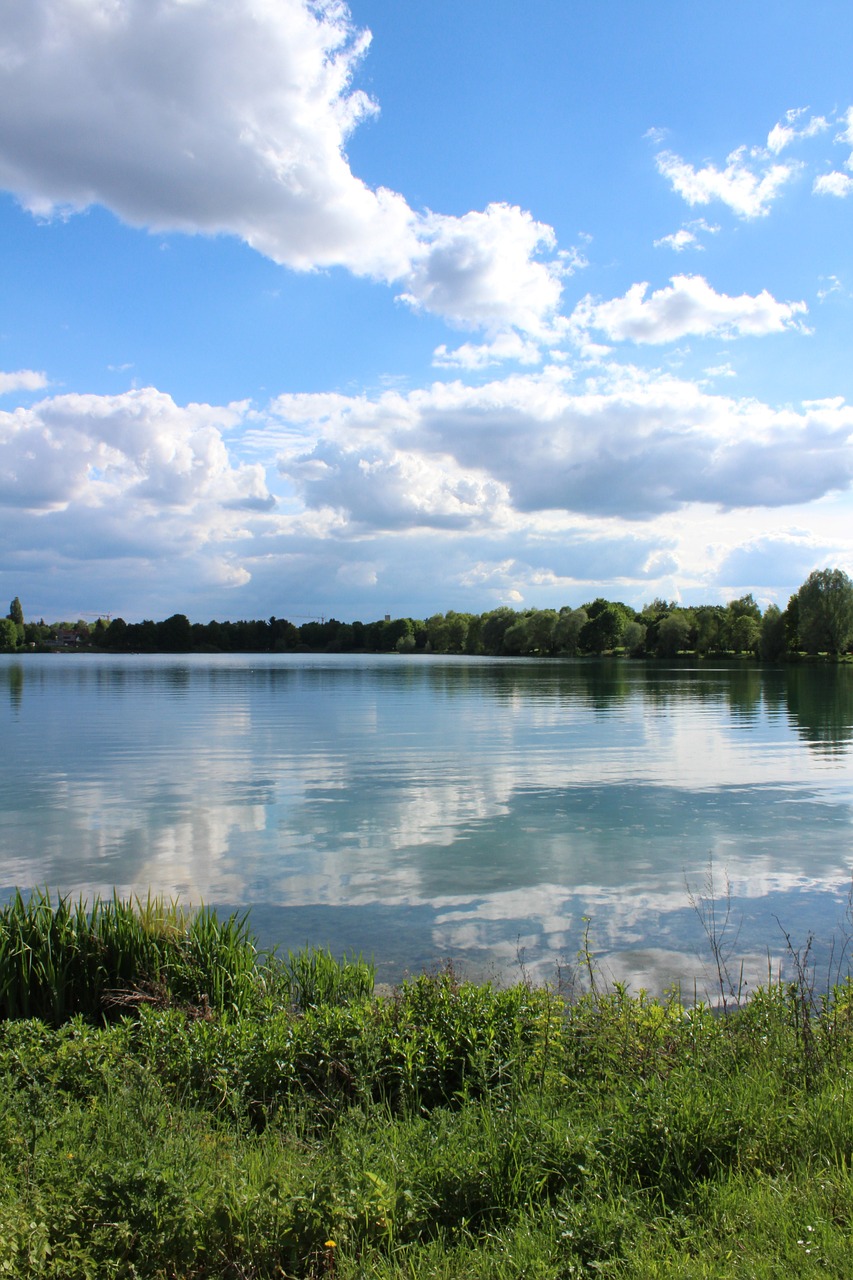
x=688, y=306
x=137, y=485
x=480, y=270
x=472, y=355
x=23, y=380
x=784, y=133
x=382, y=488
x=748, y=184
x=129, y=478
x=541, y=483
x=137, y=447
x=215, y=116
x=632, y=445
x=232, y=117
x=833, y=184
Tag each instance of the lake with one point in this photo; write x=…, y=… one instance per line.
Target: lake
x=419, y=808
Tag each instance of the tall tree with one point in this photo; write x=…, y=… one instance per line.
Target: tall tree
x=826, y=611
x=773, y=642
x=16, y=613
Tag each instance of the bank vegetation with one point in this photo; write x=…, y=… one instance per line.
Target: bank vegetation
x=175, y=1104
x=817, y=620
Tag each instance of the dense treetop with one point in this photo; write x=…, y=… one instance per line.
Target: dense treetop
x=818, y=619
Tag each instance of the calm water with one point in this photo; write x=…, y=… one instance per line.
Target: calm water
x=421, y=808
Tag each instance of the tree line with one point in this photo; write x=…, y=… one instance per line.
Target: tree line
x=817, y=619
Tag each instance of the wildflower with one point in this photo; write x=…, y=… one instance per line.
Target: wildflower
x=330, y=1244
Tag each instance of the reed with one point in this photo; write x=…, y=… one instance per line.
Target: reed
x=314, y=977
x=101, y=958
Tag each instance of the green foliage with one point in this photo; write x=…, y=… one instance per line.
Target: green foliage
x=314, y=977
x=104, y=958
x=8, y=635
x=448, y=1130
x=673, y=633
x=819, y=617
x=16, y=612
x=772, y=641
x=826, y=611
x=567, y=629
x=605, y=624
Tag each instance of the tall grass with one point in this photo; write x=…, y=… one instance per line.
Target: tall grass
x=447, y=1129
x=314, y=977
x=62, y=957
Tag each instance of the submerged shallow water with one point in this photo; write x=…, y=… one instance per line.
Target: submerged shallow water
x=420, y=808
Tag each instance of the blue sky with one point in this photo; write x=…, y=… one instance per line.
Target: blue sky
x=314, y=310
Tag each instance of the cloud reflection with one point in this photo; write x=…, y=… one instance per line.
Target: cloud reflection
x=500, y=803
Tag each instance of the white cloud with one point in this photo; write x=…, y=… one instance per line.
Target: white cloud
x=208, y=116
x=831, y=285
x=833, y=184
x=747, y=193
x=846, y=134
x=541, y=483
x=630, y=445
x=138, y=453
x=507, y=346
x=688, y=306
x=380, y=487
x=783, y=134
x=23, y=380
x=679, y=241
x=480, y=270
x=230, y=116
x=687, y=237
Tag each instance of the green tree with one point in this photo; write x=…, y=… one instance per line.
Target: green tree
x=772, y=642
x=567, y=629
x=456, y=630
x=8, y=635
x=174, y=635
x=541, y=624
x=673, y=634
x=16, y=613
x=607, y=620
x=438, y=633
x=516, y=638
x=495, y=626
x=745, y=634
x=735, y=634
x=710, y=623
x=397, y=633
x=826, y=611
x=792, y=624
x=634, y=636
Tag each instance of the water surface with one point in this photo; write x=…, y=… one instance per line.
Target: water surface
x=418, y=808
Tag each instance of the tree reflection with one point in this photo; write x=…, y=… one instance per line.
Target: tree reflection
x=820, y=703
x=15, y=679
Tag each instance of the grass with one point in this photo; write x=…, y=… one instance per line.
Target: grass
x=446, y=1130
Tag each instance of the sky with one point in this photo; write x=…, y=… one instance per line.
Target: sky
x=324, y=311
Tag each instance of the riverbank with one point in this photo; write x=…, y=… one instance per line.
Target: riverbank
x=306, y=1126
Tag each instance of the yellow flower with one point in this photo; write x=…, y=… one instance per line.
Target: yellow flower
x=330, y=1244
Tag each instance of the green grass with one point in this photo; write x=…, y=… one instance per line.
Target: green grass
x=446, y=1130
